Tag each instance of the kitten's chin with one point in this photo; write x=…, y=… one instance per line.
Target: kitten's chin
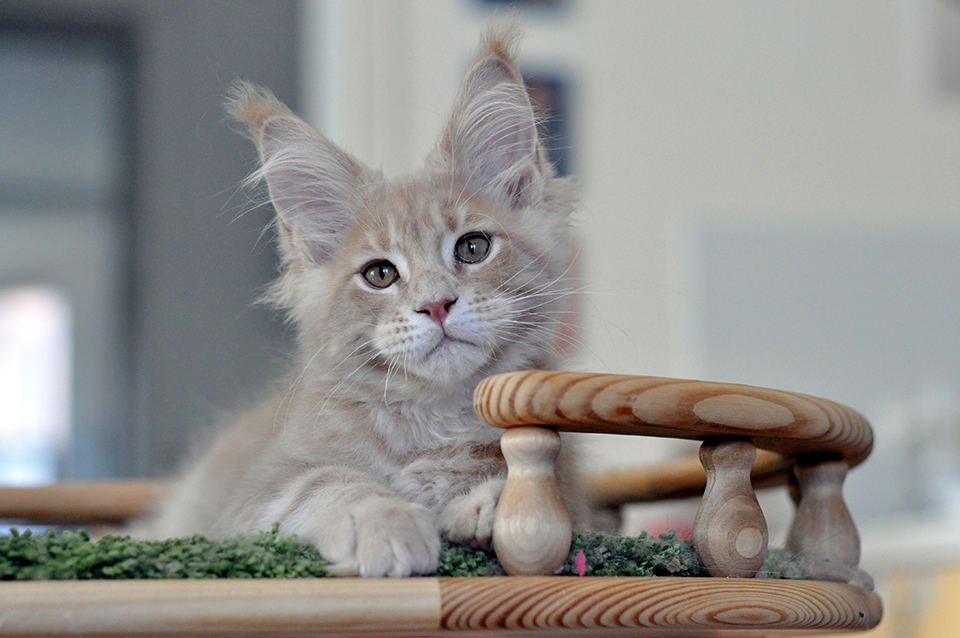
x=450, y=363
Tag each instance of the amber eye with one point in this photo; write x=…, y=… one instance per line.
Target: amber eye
x=472, y=248
x=380, y=274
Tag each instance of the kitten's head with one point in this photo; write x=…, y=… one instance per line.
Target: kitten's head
x=435, y=280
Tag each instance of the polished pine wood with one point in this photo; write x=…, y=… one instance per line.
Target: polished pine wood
x=730, y=532
x=683, y=477
x=119, y=501
x=823, y=534
x=822, y=438
x=430, y=606
x=688, y=606
x=224, y=607
x=80, y=502
x=784, y=422
x=532, y=529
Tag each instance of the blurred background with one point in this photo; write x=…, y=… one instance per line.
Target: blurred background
x=771, y=196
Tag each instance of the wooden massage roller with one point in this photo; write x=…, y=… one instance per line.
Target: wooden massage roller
x=817, y=439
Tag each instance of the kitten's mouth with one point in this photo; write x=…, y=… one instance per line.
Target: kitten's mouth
x=447, y=341
x=450, y=360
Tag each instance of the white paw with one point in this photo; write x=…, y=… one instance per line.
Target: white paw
x=468, y=519
x=379, y=536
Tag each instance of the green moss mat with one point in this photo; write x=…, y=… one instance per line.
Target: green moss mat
x=73, y=555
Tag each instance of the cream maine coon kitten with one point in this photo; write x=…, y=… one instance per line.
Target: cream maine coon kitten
x=405, y=293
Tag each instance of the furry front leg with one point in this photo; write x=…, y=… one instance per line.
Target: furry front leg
x=468, y=519
x=361, y=529
x=379, y=536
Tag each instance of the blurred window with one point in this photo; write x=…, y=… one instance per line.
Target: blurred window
x=35, y=383
x=63, y=125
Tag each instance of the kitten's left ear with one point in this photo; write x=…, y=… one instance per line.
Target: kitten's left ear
x=491, y=139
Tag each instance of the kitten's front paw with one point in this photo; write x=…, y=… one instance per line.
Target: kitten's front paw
x=380, y=536
x=468, y=519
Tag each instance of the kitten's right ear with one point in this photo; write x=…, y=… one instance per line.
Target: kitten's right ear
x=312, y=183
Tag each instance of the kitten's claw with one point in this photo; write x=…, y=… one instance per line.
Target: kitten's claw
x=380, y=536
x=468, y=518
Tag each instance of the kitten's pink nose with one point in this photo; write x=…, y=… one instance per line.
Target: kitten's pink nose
x=438, y=310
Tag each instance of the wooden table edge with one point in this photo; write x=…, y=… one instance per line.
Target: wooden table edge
x=426, y=606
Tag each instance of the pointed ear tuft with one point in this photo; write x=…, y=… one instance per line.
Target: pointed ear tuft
x=491, y=139
x=253, y=105
x=312, y=183
x=500, y=39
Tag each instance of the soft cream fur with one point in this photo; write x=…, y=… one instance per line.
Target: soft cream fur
x=373, y=453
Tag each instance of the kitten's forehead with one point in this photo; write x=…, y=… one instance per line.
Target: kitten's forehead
x=417, y=213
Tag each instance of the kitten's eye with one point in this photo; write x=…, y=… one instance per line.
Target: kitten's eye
x=472, y=248
x=381, y=274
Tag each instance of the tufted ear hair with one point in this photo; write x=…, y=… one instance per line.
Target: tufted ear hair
x=313, y=184
x=491, y=137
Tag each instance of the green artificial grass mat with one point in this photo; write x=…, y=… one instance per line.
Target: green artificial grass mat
x=71, y=555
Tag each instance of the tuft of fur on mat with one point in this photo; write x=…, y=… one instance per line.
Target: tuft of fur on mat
x=74, y=555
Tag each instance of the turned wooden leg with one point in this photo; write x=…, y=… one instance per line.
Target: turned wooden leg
x=730, y=532
x=823, y=535
x=532, y=529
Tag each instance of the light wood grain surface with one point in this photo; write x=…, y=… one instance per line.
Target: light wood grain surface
x=219, y=607
x=119, y=501
x=784, y=422
x=677, y=478
x=424, y=606
x=823, y=534
x=696, y=606
x=730, y=531
x=80, y=502
x=532, y=530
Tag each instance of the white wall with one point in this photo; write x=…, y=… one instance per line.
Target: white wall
x=818, y=116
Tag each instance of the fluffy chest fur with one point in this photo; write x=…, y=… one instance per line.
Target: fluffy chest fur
x=410, y=427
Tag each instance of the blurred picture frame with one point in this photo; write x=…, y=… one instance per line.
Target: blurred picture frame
x=550, y=95
x=522, y=4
